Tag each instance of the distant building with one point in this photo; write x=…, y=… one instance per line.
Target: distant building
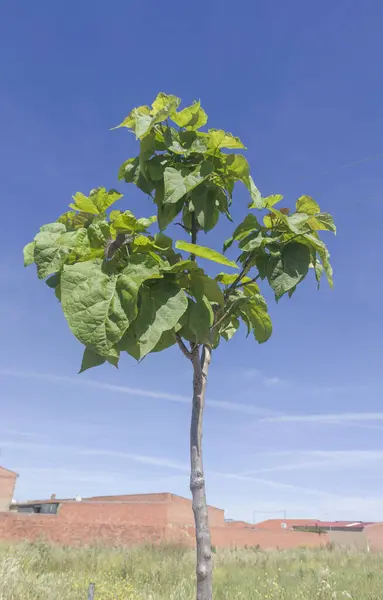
x=7, y=488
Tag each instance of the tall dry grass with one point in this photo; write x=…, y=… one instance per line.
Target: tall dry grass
x=42, y=572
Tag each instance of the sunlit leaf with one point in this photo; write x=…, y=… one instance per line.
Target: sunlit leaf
x=204, y=252
x=192, y=117
x=29, y=254
x=179, y=182
x=99, y=305
x=306, y=204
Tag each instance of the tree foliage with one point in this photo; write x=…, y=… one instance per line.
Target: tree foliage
x=125, y=288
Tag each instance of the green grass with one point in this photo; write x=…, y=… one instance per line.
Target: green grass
x=39, y=571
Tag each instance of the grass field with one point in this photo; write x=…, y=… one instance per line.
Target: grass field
x=38, y=571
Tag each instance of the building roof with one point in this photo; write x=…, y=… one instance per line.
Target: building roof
x=291, y=523
x=122, y=499
x=8, y=471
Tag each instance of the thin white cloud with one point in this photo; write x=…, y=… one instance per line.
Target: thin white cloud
x=319, y=459
x=148, y=460
x=155, y=461
x=331, y=419
x=238, y=407
x=18, y=433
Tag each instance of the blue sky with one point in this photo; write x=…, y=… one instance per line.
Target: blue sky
x=295, y=424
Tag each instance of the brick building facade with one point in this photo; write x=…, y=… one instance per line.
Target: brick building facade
x=7, y=488
x=154, y=519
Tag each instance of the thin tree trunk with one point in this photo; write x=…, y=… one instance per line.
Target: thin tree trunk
x=197, y=479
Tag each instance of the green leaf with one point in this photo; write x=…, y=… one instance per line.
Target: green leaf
x=226, y=279
x=126, y=222
x=73, y=220
x=53, y=228
x=29, y=252
x=252, y=241
x=130, y=120
x=217, y=138
x=53, y=249
x=248, y=225
x=230, y=328
x=166, y=213
x=179, y=182
x=90, y=359
x=167, y=339
x=98, y=232
x=203, y=204
x=288, y=269
x=143, y=121
x=204, y=252
x=260, y=321
x=192, y=117
x=162, y=306
x=97, y=202
x=305, y=204
x=163, y=102
x=238, y=167
x=256, y=197
x=322, y=221
x=99, y=304
x=271, y=200
x=212, y=290
x=201, y=318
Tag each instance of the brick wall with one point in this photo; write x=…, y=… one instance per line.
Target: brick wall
x=18, y=527
x=180, y=512
x=7, y=488
x=114, y=513
x=374, y=535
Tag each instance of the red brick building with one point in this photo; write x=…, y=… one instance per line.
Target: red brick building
x=143, y=518
x=7, y=488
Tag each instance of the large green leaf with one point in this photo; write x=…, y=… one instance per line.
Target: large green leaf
x=192, y=117
x=238, y=167
x=143, y=121
x=97, y=202
x=162, y=305
x=99, y=232
x=201, y=318
x=305, y=204
x=179, y=182
x=288, y=269
x=163, y=102
x=217, y=138
x=204, y=252
x=29, y=254
x=322, y=221
x=52, y=248
x=99, y=304
x=90, y=359
x=204, y=204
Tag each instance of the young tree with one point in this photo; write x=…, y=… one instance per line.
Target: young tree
x=124, y=289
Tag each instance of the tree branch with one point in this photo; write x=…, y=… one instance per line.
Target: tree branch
x=248, y=282
x=183, y=348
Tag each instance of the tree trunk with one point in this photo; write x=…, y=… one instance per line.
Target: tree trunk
x=197, y=479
